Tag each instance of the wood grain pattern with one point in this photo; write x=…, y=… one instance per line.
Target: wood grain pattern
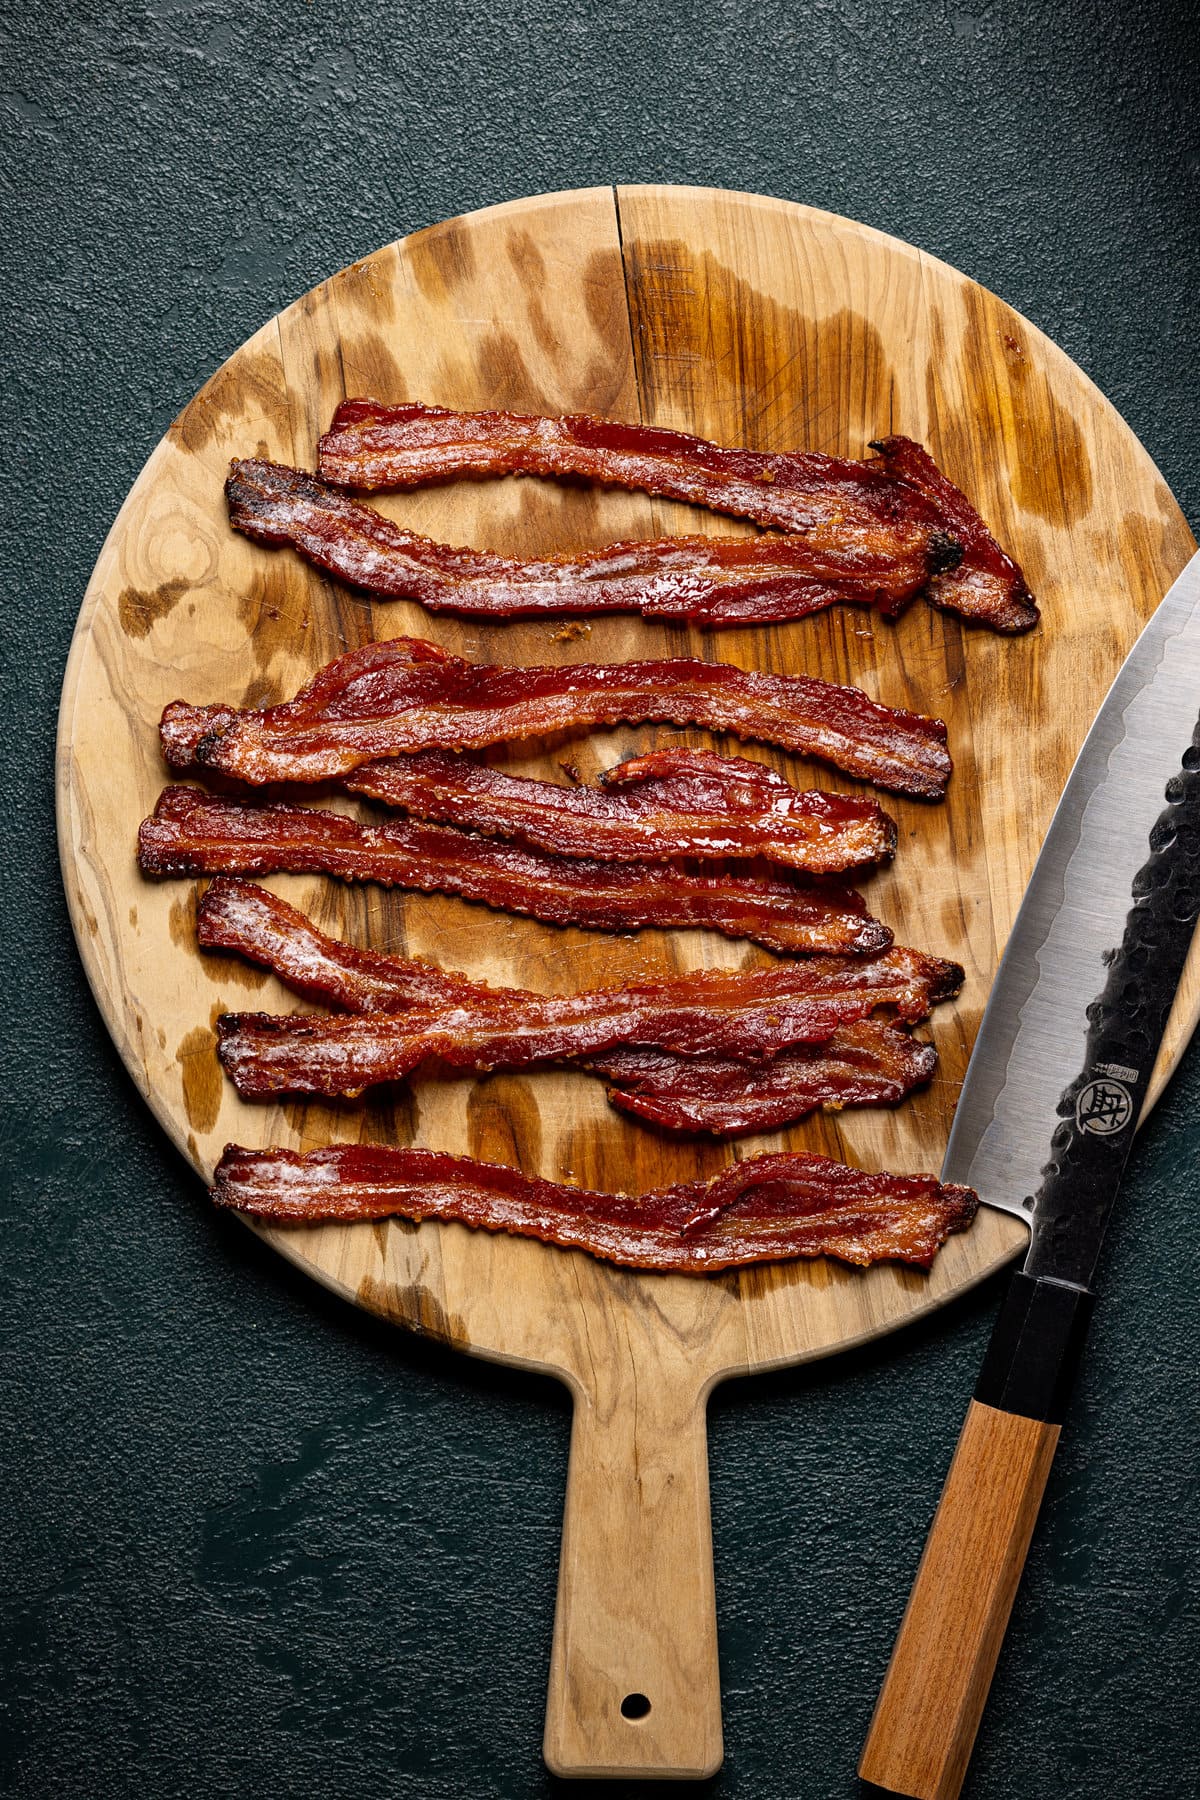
x=933, y=1696
x=749, y=320
x=636, y=1619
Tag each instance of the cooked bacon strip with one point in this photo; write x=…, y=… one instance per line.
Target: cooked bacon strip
x=394, y=698
x=239, y=916
x=873, y=1063
x=696, y=580
x=749, y=1015
x=987, y=586
x=671, y=803
x=766, y=1209
x=192, y=833
x=831, y=499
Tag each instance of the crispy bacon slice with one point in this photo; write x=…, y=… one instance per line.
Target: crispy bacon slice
x=669, y=804
x=394, y=698
x=192, y=833
x=699, y=581
x=831, y=499
x=768, y=1208
x=240, y=916
x=873, y=1063
x=748, y=1015
x=986, y=586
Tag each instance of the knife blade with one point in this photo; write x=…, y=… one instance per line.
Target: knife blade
x=1044, y=1126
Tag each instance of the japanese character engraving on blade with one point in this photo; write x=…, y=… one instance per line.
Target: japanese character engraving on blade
x=1034, y=1040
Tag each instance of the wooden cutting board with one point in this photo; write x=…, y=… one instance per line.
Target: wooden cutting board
x=746, y=320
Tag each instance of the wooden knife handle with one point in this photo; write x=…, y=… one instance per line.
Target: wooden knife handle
x=933, y=1694
x=634, y=1687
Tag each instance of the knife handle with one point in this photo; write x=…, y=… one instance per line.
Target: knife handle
x=933, y=1694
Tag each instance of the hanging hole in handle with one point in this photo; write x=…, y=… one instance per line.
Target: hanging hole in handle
x=634, y=1706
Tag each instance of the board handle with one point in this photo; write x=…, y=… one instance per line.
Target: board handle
x=634, y=1686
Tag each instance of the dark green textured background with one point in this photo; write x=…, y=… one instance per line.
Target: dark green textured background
x=253, y=1543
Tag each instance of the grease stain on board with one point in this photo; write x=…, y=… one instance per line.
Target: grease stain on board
x=231, y=971
x=250, y=386
x=1040, y=463
x=140, y=609
x=1143, y=541
x=371, y=367
x=516, y=356
x=275, y=605
x=503, y=1122
x=201, y=1077
x=181, y=919
x=796, y=381
x=440, y=259
x=416, y=1307
x=392, y=1118
x=505, y=374
x=609, y=381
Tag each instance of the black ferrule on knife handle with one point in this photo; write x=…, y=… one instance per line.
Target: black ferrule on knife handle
x=1099, y=1110
x=1035, y=1348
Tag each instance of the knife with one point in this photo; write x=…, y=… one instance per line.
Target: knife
x=1043, y=1129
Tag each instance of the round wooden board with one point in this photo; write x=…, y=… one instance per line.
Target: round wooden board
x=750, y=321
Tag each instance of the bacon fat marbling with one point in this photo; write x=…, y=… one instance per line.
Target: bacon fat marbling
x=831, y=499
x=767, y=1208
x=194, y=833
x=699, y=581
x=665, y=805
x=394, y=698
x=871, y=1063
x=750, y=1015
